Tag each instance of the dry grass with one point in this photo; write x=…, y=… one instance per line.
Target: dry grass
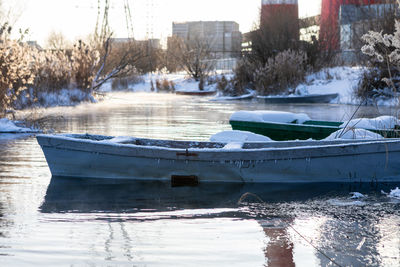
x=282, y=72
x=23, y=67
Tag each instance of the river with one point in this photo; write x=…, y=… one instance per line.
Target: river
x=63, y=222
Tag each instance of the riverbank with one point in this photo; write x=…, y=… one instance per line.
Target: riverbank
x=336, y=80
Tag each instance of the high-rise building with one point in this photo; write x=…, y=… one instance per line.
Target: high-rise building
x=223, y=37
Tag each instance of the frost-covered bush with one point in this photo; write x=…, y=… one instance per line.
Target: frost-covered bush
x=84, y=61
x=163, y=85
x=383, y=50
x=15, y=71
x=278, y=75
x=52, y=70
x=26, y=72
x=282, y=72
x=244, y=73
x=230, y=87
x=123, y=83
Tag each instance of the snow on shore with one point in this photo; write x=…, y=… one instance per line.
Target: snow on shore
x=341, y=80
x=63, y=97
x=180, y=80
x=395, y=193
x=7, y=126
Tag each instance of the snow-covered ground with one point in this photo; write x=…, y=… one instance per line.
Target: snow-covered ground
x=340, y=80
x=63, y=97
x=180, y=80
x=8, y=126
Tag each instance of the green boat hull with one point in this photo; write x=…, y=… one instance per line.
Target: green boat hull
x=290, y=131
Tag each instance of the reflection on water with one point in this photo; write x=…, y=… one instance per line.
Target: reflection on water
x=46, y=221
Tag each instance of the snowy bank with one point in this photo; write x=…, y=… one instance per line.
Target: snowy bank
x=63, y=97
x=337, y=80
x=7, y=126
x=180, y=80
x=341, y=80
x=395, y=193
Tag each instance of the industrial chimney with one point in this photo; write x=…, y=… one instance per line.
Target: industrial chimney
x=278, y=12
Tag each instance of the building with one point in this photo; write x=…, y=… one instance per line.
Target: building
x=223, y=37
x=329, y=32
x=153, y=43
x=355, y=20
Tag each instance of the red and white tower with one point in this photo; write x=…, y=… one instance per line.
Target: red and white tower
x=285, y=11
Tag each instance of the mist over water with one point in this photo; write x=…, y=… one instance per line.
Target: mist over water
x=47, y=221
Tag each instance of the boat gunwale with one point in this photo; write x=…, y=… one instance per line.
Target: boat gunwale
x=264, y=125
x=296, y=96
x=300, y=125
x=209, y=154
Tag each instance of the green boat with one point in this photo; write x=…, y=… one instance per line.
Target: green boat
x=302, y=130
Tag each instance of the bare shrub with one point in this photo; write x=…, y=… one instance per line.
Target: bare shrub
x=244, y=73
x=15, y=71
x=122, y=83
x=230, y=87
x=164, y=85
x=192, y=56
x=384, y=53
x=286, y=70
x=52, y=70
x=84, y=62
x=57, y=41
x=222, y=83
x=372, y=86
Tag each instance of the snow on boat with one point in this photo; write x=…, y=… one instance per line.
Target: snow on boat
x=313, y=98
x=187, y=162
x=280, y=126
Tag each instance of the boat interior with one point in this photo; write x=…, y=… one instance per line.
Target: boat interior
x=216, y=145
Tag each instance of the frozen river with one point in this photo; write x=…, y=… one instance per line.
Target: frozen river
x=62, y=222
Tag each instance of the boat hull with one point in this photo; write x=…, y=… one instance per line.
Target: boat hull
x=196, y=93
x=290, y=162
x=308, y=99
x=290, y=131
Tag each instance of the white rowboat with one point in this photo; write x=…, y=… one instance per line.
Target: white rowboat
x=95, y=156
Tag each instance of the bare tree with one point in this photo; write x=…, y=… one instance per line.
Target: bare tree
x=194, y=56
x=57, y=41
x=116, y=59
x=116, y=64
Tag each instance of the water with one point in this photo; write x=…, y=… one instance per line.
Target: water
x=57, y=222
